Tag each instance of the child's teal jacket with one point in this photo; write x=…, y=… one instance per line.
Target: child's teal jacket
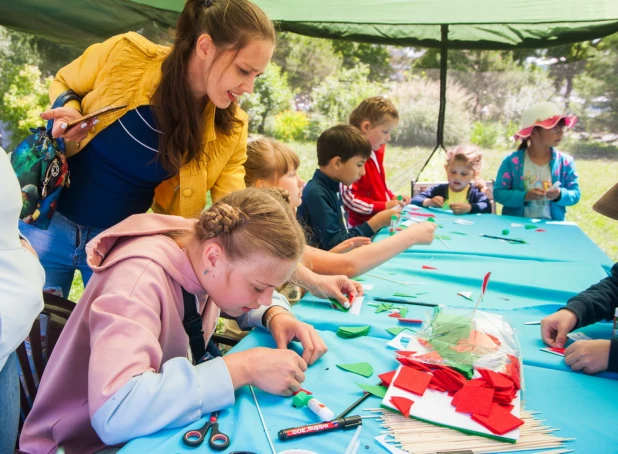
x=509, y=187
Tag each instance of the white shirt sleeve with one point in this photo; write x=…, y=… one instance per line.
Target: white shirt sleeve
x=21, y=275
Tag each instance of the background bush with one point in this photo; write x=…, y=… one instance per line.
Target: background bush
x=418, y=103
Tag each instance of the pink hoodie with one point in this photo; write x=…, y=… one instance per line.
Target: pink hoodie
x=120, y=368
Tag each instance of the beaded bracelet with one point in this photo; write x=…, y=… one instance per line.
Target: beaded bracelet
x=270, y=317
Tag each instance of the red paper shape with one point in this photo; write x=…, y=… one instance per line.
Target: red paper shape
x=512, y=370
x=430, y=357
x=301, y=390
x=508, y=407
x=455, y=400
x=409, y=320
x=478, y=382
x=495, y=339
x=405, y=353
x=412, y=380
x=387, y=377
x=495, y=379
x=557, y=350
x=499, y=420
x=481, y=339
x=541, y=230
x=415, y=364
x=485, y=282
x=402, y=404
x=395, y=315
x=447, y=380
x=475, y=399
x=436, y=387
x=427, y=267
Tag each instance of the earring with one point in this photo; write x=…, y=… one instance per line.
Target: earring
x=206, y=271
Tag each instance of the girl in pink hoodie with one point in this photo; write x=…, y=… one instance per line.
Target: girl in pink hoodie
x=121, y=367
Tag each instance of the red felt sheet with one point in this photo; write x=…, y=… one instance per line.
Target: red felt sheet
x=499, y=421
x=412, y=380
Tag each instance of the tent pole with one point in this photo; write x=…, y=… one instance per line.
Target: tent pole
x=442, y=111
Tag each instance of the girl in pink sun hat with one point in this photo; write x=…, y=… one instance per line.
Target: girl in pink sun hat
x=538, y=181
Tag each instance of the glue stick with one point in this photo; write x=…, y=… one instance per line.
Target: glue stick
x=393, y=226
x=615, y=329
x=324, y=413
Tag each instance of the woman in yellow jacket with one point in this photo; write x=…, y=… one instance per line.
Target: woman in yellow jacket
x=180, y=135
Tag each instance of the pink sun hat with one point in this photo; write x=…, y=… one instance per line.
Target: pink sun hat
x=545, y=115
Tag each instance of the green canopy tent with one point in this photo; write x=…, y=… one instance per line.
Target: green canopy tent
x=457, y=24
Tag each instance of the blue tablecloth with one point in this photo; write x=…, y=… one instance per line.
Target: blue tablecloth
x=528, y=282
x=558, y=243
x=513, y=284
x=581, y=406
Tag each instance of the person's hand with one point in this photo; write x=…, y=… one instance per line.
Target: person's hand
x=62, y=116
x=395, y=202
x=555, y=327
x=278, y=372
x=383, y=218
x=589, y=356
x=407, y=199
x=28, y=247
x=336, y=287
x=552, y=193
x=460, y=208
x=534, y=194
x=351, y=243
x=437, y=201
x=422, y=232
x=285, y=329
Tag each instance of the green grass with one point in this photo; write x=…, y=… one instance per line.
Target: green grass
x=597, y=166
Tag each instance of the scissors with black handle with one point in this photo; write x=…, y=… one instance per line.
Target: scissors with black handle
x=217, y=441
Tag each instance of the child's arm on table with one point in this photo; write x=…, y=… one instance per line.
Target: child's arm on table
x=329, y=286
x=362, y=260
x=128, y=381
x=326, y=221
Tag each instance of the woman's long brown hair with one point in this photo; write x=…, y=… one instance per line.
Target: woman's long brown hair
x=231, y=24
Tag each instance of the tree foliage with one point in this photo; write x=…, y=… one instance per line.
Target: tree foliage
x=377, y=57
x=271, y=95
x=305, y=60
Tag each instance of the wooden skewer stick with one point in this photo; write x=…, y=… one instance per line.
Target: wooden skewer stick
x=387, y=279
x=424, y=438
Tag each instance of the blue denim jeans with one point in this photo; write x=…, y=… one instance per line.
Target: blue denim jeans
x=9, y=404
x=61, y=250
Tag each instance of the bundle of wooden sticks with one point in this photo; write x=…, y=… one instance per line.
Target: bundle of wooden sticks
x=422, y=438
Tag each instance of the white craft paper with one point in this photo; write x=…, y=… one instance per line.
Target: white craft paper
x=535, y=220
x=435, y=406
x=367, y=287
x=466, y=295
x=397, y=342
x=463, y=222
x=390, y=448
x=561, y=223
x=578, y=336
x=356, y=305
x=515, y=224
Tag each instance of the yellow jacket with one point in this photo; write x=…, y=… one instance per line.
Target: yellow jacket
x=126, y=69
